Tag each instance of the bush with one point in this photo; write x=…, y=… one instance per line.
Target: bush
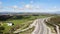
x=2, y=28
x=55, y=20
x=4, y=17
x=1, y=32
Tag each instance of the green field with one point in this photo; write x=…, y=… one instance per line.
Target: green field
x=19, y=24
x=24, y=22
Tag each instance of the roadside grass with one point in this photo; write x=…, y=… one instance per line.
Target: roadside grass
x=28, y=31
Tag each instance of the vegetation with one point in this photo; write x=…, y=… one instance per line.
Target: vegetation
x=19, y=21
x=52, y=22
x=55, y=20
x=1, y=29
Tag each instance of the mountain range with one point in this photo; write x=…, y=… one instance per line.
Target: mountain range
x=56, y=12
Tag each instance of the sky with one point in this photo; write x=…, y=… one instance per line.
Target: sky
x=29, y=5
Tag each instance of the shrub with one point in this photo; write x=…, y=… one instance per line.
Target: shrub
x=2, y=28
x=55, y=20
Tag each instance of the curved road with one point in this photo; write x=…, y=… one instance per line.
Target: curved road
x=40, y=27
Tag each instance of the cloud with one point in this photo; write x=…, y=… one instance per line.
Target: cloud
x=0, y=2
x=15, y=6
x=32, y=8
x=52, y=9
x=27, y=6
x=55, y=8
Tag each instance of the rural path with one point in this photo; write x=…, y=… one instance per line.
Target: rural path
x=40, y=27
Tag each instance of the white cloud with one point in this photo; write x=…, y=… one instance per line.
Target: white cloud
x=27, y=6
x=50, y=10
x=15, y=6
x=0, y=2
x=34, y=8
